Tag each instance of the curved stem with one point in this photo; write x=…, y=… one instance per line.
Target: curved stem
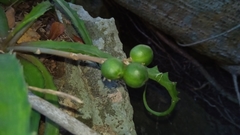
x=162, y=79
x=156, y=113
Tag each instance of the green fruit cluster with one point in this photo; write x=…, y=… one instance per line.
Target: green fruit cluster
x=135, y=73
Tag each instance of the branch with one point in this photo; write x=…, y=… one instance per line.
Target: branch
x=59, y=117
x=201, y=69
x=210, y=38
x=57, y=93
x=70, y=55
x=235, y=83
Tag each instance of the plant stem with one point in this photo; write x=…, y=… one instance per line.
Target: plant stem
x=54, y=92
x=64, y=120
x=70, y=55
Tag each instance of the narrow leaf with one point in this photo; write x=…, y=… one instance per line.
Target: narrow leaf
x=14, y=105
x=3, y=24
x=32, y=74
x=63, y=7
x=36, y=12
x=69, y=47
x=33, y=77
x=40, y=77
x=7, y=2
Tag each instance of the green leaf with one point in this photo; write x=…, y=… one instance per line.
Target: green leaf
x=162, y=79
x=14, y=105
x=34, y=121
x=3, y=24
x=37, y=75
x=33, y=77
x=7, y=2
x=72, y=15
x=28, y=20
x=68, y=47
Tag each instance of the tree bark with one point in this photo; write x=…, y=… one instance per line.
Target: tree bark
x=189, y=21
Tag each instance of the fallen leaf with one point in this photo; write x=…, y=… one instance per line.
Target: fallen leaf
x=56, y=30
x=29, y=35
x=10, y=14
x=77, y=39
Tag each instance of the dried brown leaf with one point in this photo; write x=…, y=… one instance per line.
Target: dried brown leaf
x=10, y=14
x=56, y=30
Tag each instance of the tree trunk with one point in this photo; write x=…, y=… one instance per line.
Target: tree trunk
x=189, y=21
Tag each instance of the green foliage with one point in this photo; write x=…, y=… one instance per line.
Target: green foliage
x=162, y=79
x=63, y=6
x=3, y=23
x=14, y=105
x=7, y=2
x=15, y=113
x=135, y=77
x=33, y=77
x=37, y=75
x=34, y=72
x=68, y=47
x=28, y=20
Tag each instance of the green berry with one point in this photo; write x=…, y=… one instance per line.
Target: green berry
x=112, y=68
x=135, y=75
x=142, y=54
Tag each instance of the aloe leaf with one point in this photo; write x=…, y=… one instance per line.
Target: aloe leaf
x=32, y=74
x=51, y=128
x=3, y=24
x=162, y=79
x=63, y=7
x=34, y=121
x=33, y=77
x=14, y=105
x=68, y=47
x=37, y=75
x=28, y=20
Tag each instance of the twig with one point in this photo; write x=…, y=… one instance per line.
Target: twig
x=210, y=38
x=54, y=92
x=70, y=55
x=198, y=65
x=216, y=106
x=59, y=117
x=224, y=116
x=234, y=76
